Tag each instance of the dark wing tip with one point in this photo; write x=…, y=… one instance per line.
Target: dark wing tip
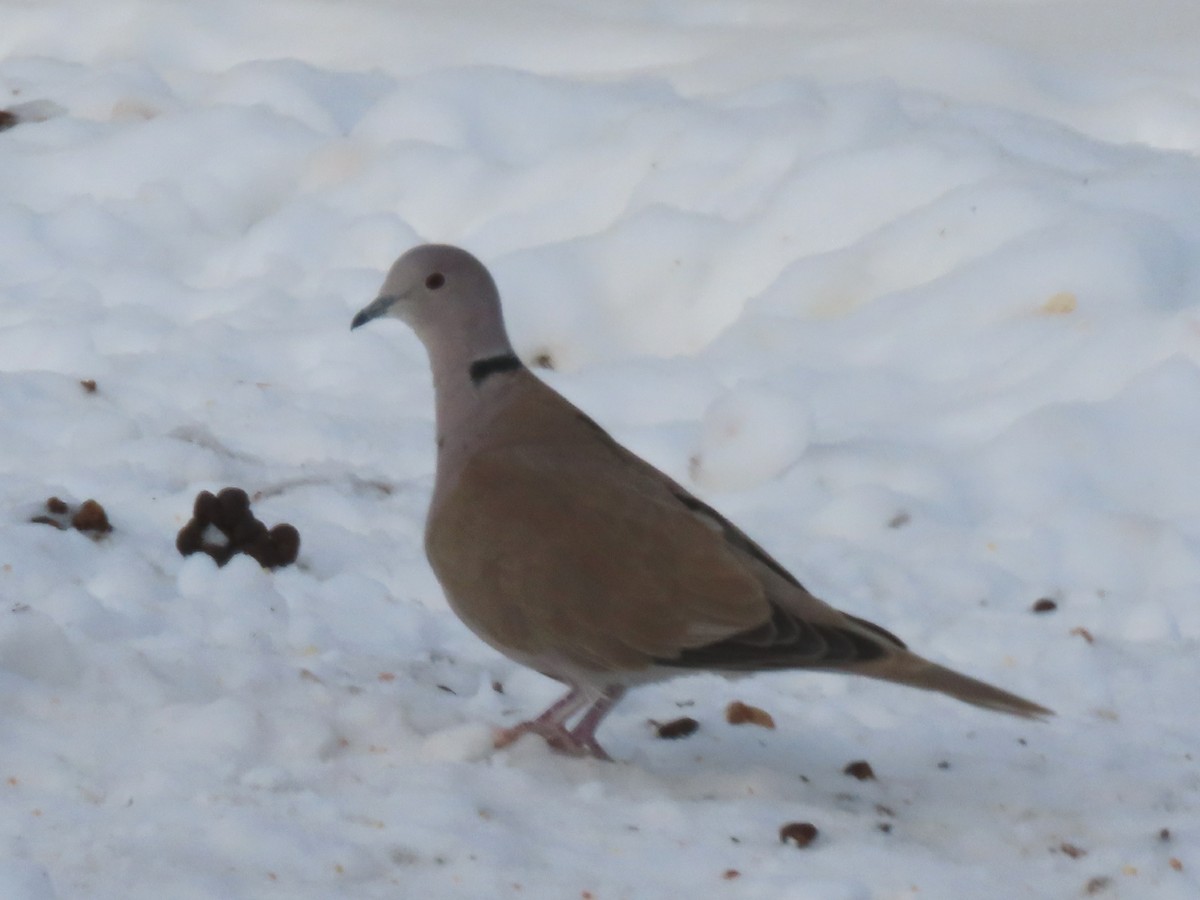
x=785, y=641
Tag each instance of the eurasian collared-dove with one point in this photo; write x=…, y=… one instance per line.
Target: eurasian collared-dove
x=571, y=555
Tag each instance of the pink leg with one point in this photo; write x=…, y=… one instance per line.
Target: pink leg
x=551, y=725
x=584, y=733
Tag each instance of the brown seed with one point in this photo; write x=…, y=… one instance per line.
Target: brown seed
x=89, y=385
x=206, y=507
x=287, y=543
x=7, y=120
x=57, y=509
x=1044, y=605
x=1082, y=632
x=248, y=532
x=1097, y=884
x=860, y=769
x=1071, y=850
x=1175, y=864
x=676, y=728
x=799, y=834
x=739, y=713
x=229, y=512
x=234, y=506
x=221, y=554
x=190, y=537
x=91, y=517
x=1164, y=834
x=730, y=874
x=261, y=551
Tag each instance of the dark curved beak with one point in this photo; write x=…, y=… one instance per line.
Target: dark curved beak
x=373, y=310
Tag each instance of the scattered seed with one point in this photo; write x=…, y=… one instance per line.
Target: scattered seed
x=228, y=513
x=91, y=517
x=1044, y=605
x=1060, y=304
x=799, y=834
x=676, y=728
x=739, y=713
x=860, y=769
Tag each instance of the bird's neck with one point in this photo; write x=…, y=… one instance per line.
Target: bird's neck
x=466, y=381
x=460, y=340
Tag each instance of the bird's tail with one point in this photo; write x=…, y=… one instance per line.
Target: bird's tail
x=908, y=668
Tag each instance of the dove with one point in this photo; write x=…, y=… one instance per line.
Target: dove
x=573, y=556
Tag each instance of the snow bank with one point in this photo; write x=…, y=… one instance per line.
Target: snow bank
x=909, y=293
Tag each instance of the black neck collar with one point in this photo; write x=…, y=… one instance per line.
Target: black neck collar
x=482, y=368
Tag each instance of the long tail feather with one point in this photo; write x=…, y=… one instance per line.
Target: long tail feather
x=910, y=669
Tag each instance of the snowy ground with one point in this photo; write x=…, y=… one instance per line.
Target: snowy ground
x=910, y=291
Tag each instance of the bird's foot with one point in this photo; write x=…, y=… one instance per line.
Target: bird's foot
x=588, y=746
x=556, y=736
x=550, y=725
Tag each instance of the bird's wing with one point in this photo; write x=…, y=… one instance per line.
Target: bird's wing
x=557, y=540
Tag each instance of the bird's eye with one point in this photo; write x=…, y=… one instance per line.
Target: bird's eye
x=435, y=281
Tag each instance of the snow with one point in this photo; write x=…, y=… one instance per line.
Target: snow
x=910, y=291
